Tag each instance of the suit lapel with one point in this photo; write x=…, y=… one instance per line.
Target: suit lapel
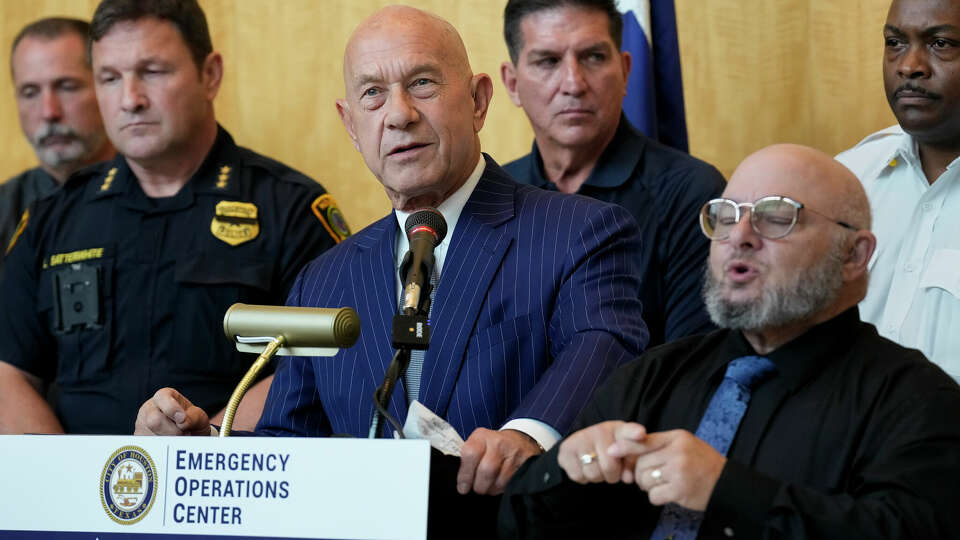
x=480, y=242
x=376, y=266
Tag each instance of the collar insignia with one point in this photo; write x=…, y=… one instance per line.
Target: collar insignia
x=224, y=177
x=108, y=181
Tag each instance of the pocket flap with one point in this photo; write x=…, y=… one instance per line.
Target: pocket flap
x=943, y=272
x=210, y=269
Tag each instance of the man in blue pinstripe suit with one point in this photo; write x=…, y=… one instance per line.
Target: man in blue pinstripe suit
x=537, y=295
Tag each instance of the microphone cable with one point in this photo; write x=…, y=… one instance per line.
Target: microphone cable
x=381, y=397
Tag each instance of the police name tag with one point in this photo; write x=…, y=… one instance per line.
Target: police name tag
x=81, y=486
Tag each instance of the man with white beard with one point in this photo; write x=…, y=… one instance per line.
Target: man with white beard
x=795, y=420
x=53, y=84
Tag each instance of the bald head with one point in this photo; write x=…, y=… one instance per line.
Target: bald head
x=776, y=272
x=807, y=175
x=413, y=26
x=413, y=108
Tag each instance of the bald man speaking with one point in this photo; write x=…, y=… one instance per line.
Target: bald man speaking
x=536, y=295
x=795, y=420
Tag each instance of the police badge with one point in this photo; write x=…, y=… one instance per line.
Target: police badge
x=235, y=222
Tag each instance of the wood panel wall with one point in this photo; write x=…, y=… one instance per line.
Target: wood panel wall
x=758, y=72
x=755, y=72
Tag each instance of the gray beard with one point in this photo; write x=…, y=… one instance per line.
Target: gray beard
x=74, y=153
x=804, y=294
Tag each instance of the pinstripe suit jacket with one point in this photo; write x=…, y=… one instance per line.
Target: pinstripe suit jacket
x=536, y=304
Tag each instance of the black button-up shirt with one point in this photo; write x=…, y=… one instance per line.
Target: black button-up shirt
x=853, y=437
x=114, y=295
x=664, y=189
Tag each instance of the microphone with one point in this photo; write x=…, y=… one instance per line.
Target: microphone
x=305, y=331
x=425, y=229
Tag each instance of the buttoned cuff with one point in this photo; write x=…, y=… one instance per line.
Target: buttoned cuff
x=538, y=474
x=539, y=431
x=741, y=501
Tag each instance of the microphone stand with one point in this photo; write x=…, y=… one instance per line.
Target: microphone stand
x=381, y=396
x=425, y=229
x=411, y=331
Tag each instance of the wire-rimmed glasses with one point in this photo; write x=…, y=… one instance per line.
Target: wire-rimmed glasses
x=771, y=217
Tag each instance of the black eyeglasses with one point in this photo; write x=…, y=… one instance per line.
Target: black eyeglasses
x=770, y=217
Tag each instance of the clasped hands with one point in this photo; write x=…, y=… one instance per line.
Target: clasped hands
x=671, y=466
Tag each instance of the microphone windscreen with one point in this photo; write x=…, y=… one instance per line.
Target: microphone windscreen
x=429, y=217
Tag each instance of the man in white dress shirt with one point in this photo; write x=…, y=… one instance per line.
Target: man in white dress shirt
x=911, y=175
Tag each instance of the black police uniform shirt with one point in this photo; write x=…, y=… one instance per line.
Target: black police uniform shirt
x=16, y=195
x=115, y=295
x=663, y=189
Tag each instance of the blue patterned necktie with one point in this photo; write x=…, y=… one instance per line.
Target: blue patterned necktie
x=415, y=367
x=717, y=428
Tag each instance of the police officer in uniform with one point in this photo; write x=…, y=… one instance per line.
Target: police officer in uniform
x=53, y=85
x=118, y=284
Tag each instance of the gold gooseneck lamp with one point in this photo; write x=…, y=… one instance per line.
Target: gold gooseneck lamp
x=284, y=331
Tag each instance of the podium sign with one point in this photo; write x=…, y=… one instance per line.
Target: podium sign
x=207, y=486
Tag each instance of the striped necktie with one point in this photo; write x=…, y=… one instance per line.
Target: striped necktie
x=717, y=428
x=415, y=367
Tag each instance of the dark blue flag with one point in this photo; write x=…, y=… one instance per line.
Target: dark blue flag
x=654, y=101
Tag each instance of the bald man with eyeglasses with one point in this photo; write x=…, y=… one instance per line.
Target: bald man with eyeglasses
x=794, y=420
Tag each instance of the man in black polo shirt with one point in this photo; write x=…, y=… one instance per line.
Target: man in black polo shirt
x=796, y=420
x=568, y=74
x=58, y=113
x=119, y=282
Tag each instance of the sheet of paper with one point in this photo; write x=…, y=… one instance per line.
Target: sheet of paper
x=422, y=423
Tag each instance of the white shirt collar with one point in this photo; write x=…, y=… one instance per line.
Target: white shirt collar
x=451, y=209
x=910, y=151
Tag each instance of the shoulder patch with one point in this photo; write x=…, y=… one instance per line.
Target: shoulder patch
x=326, y=210
x=20, y=227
